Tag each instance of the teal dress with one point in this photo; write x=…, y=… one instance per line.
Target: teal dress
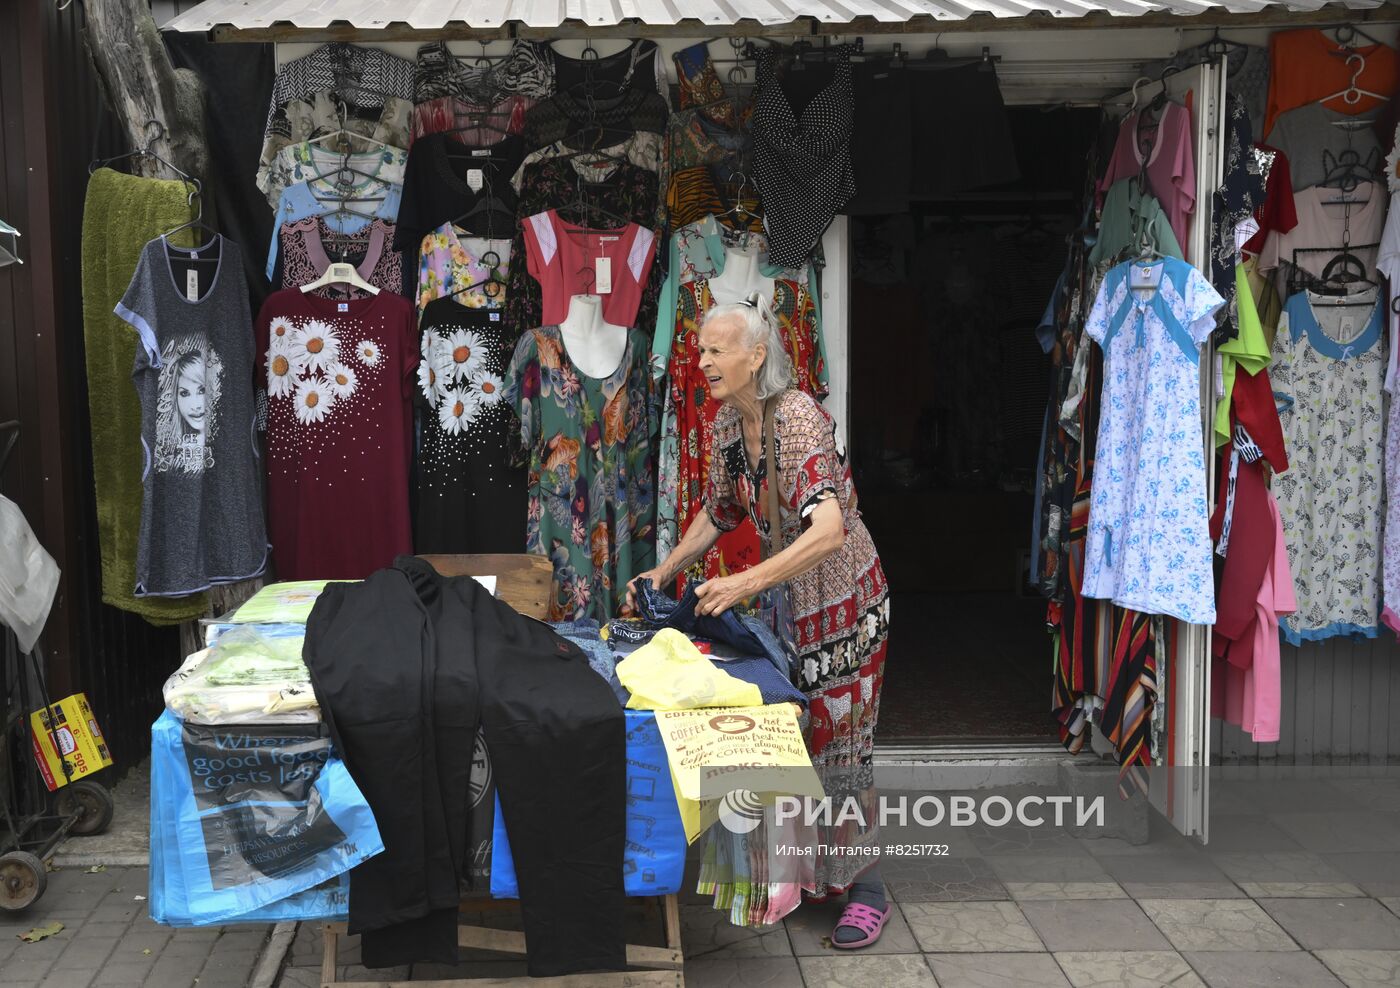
x=588, y=449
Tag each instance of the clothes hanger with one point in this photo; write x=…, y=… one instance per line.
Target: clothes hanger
x=1353, y=93
x=340, y=273
x=345, y=135
x=195, y=224
x=492, y=285
x=739, y=209
x=1137, y=82
x=1346, y=37
x=1347, y=173
x=585, y=206
x=938, y=58
x=343, y=198
x=490, y=205
x=1345, y=271
x=144, y=151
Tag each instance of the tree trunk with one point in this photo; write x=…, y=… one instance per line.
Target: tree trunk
x=143, y=86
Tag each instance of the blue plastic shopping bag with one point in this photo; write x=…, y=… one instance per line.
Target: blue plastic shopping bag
x=654, y=858
x=252, y=823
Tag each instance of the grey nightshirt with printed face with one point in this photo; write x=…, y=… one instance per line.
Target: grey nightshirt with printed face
x=202, y=511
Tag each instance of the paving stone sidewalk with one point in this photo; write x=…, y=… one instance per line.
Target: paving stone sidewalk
x=1305, y=892
x=109, y=941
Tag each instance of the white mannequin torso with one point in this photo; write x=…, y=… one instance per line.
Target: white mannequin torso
x=740, y=278
x=595, y=347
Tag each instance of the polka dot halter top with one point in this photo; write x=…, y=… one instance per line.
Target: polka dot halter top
x=802, y=161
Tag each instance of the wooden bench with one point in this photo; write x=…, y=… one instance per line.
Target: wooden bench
x=523, y=582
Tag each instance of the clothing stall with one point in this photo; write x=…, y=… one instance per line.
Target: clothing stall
x=1099, y=318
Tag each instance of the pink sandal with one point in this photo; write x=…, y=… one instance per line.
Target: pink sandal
x=862, y=917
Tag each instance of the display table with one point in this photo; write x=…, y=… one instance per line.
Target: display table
x=523, y=581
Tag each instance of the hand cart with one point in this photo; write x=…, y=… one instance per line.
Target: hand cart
x=34, y=820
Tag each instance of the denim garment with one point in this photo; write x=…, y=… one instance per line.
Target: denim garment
x=747, y=634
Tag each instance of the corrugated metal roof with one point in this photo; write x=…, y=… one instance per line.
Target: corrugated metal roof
x=705, y=15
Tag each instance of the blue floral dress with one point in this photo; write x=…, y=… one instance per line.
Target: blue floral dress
x=1148, y=546
x=588, y=442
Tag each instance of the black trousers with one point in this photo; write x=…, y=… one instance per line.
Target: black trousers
x=406, y=664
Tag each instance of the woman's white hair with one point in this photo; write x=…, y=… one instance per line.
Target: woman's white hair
x=759, y=325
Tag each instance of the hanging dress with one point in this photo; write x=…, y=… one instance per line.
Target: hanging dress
x=1148, y=543
x=1329, y=382
x=201, y=511
x=470, y=497
x=802, y=159
x=592, y=507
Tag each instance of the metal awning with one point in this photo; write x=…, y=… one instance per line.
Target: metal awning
x=330, y=20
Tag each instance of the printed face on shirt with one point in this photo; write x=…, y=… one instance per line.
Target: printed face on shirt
x=189, y=396
x=729, y=366
x=187, y=405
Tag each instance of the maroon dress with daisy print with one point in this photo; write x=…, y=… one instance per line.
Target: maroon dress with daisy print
x=340, y=379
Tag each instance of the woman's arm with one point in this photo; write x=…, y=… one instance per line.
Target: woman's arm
x=823, y=536
x=697, y=540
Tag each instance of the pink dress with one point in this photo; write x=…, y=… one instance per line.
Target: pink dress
x=1246, y=682
x=1169, y=161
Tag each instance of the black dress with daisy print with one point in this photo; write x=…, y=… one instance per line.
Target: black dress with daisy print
x=340, y=378
x=470, y=498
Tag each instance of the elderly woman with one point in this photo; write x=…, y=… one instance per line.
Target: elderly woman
x=823, y=552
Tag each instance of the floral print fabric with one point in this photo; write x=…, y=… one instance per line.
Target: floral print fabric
x=305, y=162
x=339, y=379
x=450, y=259
x=1149, y=541
x=588, y=441
x=1329, y=384
x=470, y=498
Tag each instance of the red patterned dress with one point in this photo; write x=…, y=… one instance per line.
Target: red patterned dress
x=695, y=409
x=840, y=606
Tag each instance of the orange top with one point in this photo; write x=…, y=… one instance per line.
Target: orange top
x=1303, y=68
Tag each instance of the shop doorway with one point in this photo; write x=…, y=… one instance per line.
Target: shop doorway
x=948, y=393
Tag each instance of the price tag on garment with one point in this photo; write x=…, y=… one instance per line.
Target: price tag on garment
x=602, y=282
x=475, y=179
x=192, y=285
x=1347, y=327
x=342, y=307
x=481, y=152
x=1145, y=276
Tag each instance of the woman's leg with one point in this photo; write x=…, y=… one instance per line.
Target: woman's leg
x=868, y=891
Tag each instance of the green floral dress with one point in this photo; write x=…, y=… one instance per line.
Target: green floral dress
x=588, y=443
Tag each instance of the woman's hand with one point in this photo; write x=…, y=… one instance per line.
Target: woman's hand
x=719, y=595
x=658, y=576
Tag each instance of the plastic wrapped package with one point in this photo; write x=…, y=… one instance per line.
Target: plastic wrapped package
x=260, y=823
x=250, y=673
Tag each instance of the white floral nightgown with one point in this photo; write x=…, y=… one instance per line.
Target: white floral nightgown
x=1328, y=376
x=1148, y=546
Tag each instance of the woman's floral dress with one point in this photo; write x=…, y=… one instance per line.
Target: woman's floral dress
x=840, y=607
x=588, y=442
